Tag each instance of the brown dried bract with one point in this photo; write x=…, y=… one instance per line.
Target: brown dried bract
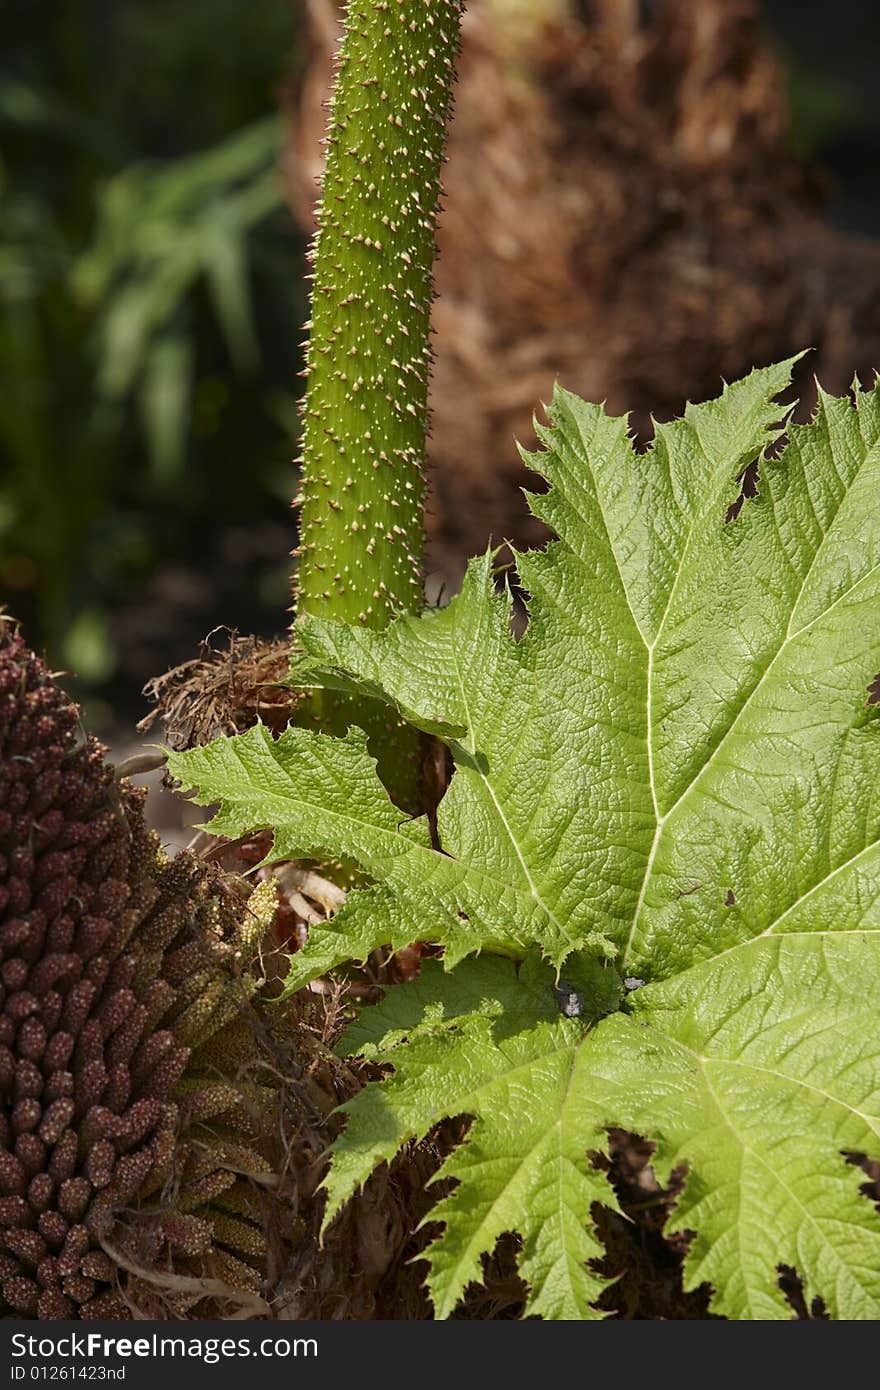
x=223, y=690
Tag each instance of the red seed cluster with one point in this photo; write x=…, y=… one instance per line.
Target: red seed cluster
x=86, y=1069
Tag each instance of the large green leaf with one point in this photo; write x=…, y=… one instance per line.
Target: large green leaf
x=676, y=768
x=758, y=1071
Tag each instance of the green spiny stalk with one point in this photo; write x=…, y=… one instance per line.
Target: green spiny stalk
x=366, y=406
x=365, y=411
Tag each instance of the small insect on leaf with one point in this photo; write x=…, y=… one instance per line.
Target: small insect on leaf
x=570, y=1002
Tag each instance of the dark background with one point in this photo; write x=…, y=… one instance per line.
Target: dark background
x=151, y=296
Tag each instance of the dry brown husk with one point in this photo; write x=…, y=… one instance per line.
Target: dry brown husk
x=234, y=682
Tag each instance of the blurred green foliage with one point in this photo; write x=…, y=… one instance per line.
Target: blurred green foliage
x=150, y=298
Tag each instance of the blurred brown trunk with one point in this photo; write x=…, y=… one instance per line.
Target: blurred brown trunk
x=623, y=213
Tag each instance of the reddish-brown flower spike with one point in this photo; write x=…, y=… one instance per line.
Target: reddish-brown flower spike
x=97, y=1018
